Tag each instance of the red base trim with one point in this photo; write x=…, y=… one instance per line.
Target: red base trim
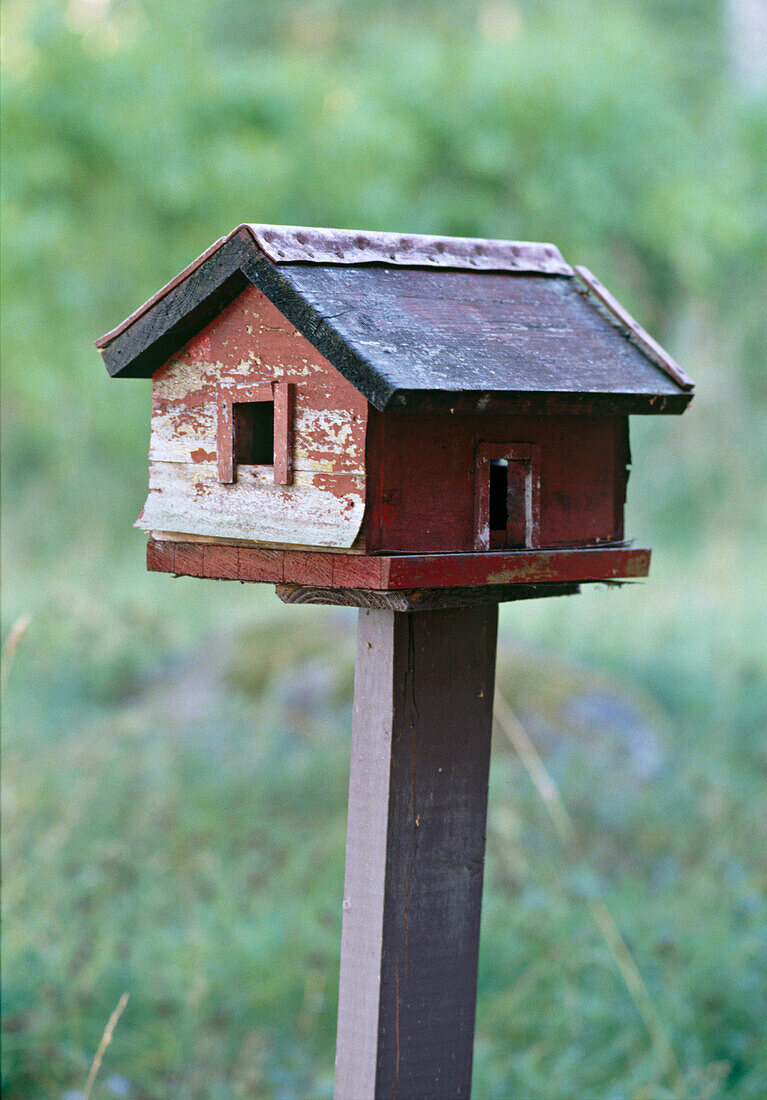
x=396, y=571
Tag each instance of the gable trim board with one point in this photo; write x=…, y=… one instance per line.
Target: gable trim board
x=453, y=336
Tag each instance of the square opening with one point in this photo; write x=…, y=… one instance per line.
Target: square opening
x=253, y=428
x=507, y=496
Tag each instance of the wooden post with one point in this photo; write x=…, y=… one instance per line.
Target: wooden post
x=423, y=701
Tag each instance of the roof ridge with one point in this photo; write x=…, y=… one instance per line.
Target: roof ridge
x=307, y=244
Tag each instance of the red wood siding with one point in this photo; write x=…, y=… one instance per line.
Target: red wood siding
x=421, y=477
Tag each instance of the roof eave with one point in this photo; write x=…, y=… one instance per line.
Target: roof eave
x=146, y=339
x=551, y=402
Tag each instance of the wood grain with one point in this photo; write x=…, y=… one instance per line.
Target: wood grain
x=284, y=401
x=523, y=525
x=159, y=328
x=411, y=337
x=251, y=352
x=419, y=331
x=640, y=335
x=420, y=599
x=423, y=472
x=315, y=569
x=175, y=430
x=315, y=510
x=515, y=567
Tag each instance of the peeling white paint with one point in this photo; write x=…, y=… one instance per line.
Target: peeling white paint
x=189, y=497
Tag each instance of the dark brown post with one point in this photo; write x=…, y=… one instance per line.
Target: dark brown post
x=415, y=849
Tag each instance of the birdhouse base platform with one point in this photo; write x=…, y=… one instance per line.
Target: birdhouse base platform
x=531, y=572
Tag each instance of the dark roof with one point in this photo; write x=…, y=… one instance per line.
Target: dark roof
x=422, y=322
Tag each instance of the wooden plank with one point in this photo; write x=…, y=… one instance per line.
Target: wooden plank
x=347, y=246
x=622, y=467
x=511, y=568
x=361, y=571
x=220, y=563
x=640, y=335
x=322, y=510
x=160, y=556
x=383, y=329
x=380, y=368
x=374, y=458
x=189, y=560
x=366, y=858
x=326, y=440
x=515, y=567
x=155, y=331
x=258, y=565
x=214, y=540
x=284, y=400
x=224, y=440
x=428, y=486
x=420, y=599
x=415, y=853
x=459, y=330
x=313, y=569
x=537, y=402
x=521, y=526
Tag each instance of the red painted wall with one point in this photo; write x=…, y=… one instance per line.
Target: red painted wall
x=421, y=477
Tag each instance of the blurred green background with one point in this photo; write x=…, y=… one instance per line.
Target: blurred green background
x=176, y=752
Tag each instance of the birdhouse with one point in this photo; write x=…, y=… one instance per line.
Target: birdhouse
x=385, y=412
x=422, y=427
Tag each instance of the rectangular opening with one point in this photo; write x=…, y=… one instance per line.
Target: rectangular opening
x=253, y=430
x=499, y=469
x=508, y=504
x=507, y=500
x=254, y=427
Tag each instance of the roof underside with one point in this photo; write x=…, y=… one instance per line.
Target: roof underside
x=464, y=328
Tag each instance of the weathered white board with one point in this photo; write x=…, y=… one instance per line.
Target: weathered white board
x=189, y=498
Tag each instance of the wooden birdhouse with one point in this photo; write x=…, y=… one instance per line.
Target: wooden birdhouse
x=422, y=427
x=349, y=412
